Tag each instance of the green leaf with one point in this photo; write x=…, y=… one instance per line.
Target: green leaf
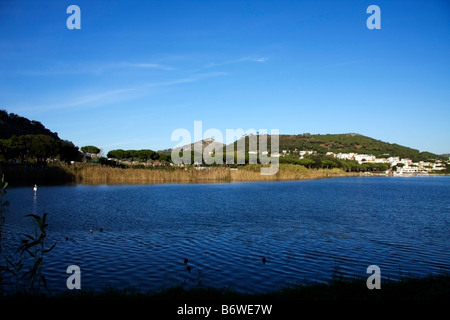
x=25, y=274
x=38, y=221
x=28, y=236
x=45, y=283
x=50, y=249
x=34, y=271
x=44, y=217
x=31, y=253
x=27, y=246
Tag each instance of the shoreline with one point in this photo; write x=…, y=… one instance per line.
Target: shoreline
x=96, y=174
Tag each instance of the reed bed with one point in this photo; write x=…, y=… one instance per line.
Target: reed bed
x=108, y=175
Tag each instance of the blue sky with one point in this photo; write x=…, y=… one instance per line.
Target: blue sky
x=138, y=70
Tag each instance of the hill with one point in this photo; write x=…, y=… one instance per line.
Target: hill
x=19, y=134
x=201, y=145
x=345, y=143
x=29, y=141
x=198, y=145
x=14, y=125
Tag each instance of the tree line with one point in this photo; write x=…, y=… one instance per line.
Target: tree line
x=142, y=155
x=37, y=148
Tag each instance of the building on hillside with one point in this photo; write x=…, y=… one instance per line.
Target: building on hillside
x=407, y=162
x=345, y=156
x=382, y=160
x=275, y=154
x=361, y=158
x=412, y=170
x=394, y=160
x=306, y=152
x=439, y=165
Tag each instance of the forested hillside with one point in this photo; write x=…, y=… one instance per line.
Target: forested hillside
x=14, y=125
x=24, y=140
x=345, y=143
x=350, y=142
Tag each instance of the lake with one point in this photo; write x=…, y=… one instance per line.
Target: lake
x=307, y=230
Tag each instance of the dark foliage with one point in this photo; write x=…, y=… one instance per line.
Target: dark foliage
x=23, y=140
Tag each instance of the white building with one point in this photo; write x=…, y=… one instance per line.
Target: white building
x=394, y=160
x=276, y=155
x=305, y=152
x=409, y=170
x=345, y=156
x=439, y=165
x=361, y=158
x=382, y=160
x=406, y=161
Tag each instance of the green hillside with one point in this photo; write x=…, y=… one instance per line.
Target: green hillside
x=350, y=142
x=14, y=125
x=345, y=143
x=24, y=140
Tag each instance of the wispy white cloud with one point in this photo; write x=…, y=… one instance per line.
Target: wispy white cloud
x=146, y=66
x=262, y=59
x=103, y=97
x=94, y=68
x=192, y=78
x=97, y=68
x=240, y=60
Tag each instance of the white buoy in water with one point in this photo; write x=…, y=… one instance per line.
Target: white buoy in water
x=35, y=189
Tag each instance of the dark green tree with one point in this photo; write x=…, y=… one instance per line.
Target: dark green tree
x=329, y=164
x=67, y=151
x=307, y=162
x=90, y=149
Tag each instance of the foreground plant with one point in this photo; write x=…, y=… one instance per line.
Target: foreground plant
x=3, y=205
x=35, y=247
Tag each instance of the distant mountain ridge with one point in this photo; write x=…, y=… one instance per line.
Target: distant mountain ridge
x=202, y=144
x=14, y=125
x=323, y=143
x=347, y=143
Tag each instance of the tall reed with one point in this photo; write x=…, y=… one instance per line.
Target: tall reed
x=103, y=174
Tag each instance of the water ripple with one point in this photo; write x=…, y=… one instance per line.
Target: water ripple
x=148, y=231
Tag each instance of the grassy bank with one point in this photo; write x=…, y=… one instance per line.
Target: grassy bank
x=91, y=173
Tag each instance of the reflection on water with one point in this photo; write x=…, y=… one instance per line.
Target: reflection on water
x=305, y=230
x=34, y=206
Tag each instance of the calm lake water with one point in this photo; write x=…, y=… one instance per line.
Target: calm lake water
x=306, y=230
